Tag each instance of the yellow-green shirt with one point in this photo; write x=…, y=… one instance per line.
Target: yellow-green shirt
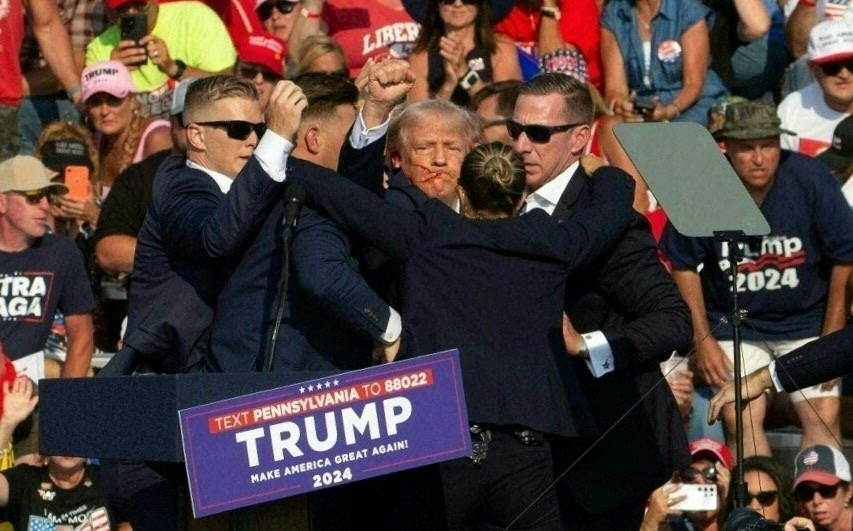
x=193, y=33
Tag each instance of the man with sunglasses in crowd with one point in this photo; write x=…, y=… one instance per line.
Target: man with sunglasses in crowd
x=41, y=273
x=180, y=40
x=791, y=282
x=630, y=314
x=494, y=105
x=812, y=113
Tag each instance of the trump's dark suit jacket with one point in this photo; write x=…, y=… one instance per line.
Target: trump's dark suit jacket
x=493, y=289
x=189, y=233
x=628, y=295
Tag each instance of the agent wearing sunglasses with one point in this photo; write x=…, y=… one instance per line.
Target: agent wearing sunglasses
x=278, y=16
x=822, y=487
x=813, y=112
x=260, y=60
x=550, y=130
x=46, y=269
x=208, y=205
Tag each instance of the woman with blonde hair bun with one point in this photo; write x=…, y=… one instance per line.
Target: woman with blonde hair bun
x=491, y=182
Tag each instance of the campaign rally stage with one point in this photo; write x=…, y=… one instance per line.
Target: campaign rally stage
x=325, y=432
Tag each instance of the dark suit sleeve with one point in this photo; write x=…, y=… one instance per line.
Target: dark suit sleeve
x=817, y=362
x=198, y=224
x=657, y=321
x=592, y=231
x=328, y=276
x=365, y=167
x=393, y=230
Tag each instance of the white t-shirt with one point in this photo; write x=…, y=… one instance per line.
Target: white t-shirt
x=848, y=191
x=806, y=113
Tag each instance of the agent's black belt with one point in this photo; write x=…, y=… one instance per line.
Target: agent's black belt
x=482, y=435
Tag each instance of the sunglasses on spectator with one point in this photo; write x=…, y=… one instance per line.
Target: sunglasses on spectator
x=834, y=68
x=690, y=474
x=141, y=7
x=540, y=134
x=34, y=197
x=264, y=10
x=464, y=2
x=238, y=129
x=766, y=498
x=102, y=97
x=805, y=493
x=251, y=72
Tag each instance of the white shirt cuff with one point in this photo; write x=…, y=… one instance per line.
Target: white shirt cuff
x=272, y=153
x=775, y=377
x=361, y=137
x=600, y=360
x=394, y=328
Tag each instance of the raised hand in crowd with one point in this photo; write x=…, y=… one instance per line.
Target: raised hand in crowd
x=624, y=108
x=682, y=389
x=387, y=84
x=798, y=523
x=660, y=506
x=158, y=53
x=455, y=66
x=129, y=53
x=283, y=112
x=80, y=210
x=19, y=401
x=714, y=366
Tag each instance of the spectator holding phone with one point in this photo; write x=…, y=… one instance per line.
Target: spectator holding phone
x=655, y=55
x=122, y=134
x=162, y=45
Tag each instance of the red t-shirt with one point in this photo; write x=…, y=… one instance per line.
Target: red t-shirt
x=578, y=25
x=11, y=37
x=369, y=29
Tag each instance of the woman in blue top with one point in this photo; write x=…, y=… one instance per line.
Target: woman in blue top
x=655, y=55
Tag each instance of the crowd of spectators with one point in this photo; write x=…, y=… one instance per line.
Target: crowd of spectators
x=94, y=89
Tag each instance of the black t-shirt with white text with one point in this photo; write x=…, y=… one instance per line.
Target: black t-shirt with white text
x=35, y=503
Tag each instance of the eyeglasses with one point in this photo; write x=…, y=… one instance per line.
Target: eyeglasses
x=766, y=498
x=34, y=197
x=834, y=68
x=464, y=2
x=139, y=7
x=805, y=493
x=102, y=97
x=690, y=474
x=540, y=134
x=238, y=129
x=251, y=72
x=264, y=10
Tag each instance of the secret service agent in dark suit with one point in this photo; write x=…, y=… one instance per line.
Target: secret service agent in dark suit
x=631, y=316
x=493, y=289
x=815, y=362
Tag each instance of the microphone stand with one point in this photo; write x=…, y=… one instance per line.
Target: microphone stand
x=733, y=238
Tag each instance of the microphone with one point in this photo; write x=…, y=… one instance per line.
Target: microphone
x=294, y=195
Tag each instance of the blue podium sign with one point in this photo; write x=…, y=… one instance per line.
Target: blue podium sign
x=317, y=434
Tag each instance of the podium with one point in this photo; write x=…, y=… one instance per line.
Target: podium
x=136, y=417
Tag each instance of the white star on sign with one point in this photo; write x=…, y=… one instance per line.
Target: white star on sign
x=310, y=387
x=328, y=385
x=301, y=390
x=336, y=383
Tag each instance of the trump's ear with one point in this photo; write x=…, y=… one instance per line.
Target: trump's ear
x=396, y=160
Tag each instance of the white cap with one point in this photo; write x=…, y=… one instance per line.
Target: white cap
x=830, y=41
x=179, y=95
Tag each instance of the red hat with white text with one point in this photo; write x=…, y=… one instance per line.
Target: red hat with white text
x=712, y=449
x=264, y=51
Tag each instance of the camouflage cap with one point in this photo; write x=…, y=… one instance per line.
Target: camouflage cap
x=751, y=119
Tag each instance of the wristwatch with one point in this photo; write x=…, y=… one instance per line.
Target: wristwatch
x=551, y=12
x=469, y=80
x=180, y=71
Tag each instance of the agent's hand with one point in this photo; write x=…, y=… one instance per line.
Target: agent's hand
x=283, y=113
x=751, y=386
x=129, y=54
x=158, y=53
x=714, y=366
x=590, y=163
x=18, y=401
x=571, y=337
x=383, y=353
